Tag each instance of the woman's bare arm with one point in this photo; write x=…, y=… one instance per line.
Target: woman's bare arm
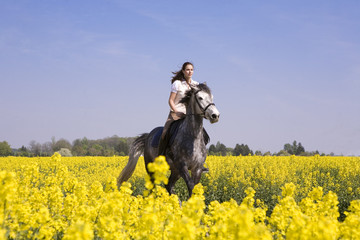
x=172, y=104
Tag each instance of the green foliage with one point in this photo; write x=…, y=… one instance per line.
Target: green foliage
x=218, y=150
x=120, y=146
x=23, y=152
x=294, y=149
x=62, y=143
x=5, y=149
x=242, y=149
x=109, y=146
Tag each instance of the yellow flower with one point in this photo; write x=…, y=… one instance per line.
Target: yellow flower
x=79, y=230
x=56, y=157
x=246, y=197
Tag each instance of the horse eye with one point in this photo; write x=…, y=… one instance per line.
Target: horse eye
x=200, y=98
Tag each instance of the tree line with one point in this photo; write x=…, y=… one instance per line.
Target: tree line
x=289, y=149
x=120, y=146
x=109, y=146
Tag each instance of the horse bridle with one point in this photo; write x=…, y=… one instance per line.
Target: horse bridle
x=202, y=109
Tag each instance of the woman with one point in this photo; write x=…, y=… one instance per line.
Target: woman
x=181, y=82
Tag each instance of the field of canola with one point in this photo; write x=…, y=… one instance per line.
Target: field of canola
x=246, y=197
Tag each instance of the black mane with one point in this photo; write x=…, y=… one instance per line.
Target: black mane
x=202, y=87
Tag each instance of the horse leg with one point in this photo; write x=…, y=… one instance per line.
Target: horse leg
x=184, y=173
x=174, y=176
x=196, y=175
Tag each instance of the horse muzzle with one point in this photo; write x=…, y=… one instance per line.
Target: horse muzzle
x=214, y=118
x=213, y=114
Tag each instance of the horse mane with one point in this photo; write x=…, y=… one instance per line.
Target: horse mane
x=202, y=87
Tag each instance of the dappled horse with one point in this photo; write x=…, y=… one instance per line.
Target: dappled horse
x=186, y=148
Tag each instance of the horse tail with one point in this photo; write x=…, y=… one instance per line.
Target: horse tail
x=136, y=149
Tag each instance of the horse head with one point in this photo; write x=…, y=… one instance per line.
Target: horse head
x=202, y=102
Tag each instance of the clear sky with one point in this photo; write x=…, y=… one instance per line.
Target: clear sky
x=279, y=70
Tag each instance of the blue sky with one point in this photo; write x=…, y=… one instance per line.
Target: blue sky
x=279, y=70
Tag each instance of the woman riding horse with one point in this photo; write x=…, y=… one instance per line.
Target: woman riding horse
x=180, y=83
x=185, y=151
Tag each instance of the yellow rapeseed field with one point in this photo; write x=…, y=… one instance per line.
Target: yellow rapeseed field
x=245, y=197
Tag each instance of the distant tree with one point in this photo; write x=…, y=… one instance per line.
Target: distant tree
x=288, y=148
x=242, y=149
x=212, y=149
x=237, y=150
x=46, y=149
x=112, y=142
x=62, y=143
x=299, y=149
x=77, y=150
x=96, y=150
x=80, y=147
x=229, y=151
x=221, y=149
x=122, y=154
x=53, y=142
x=294, y=149
x=102, y=147
x=109, y=151
x=5, y=149
x=218, y=150
x=122, y=147
x=268, y=153
x=283, y=153
x=23, y=152
x=65, y=152
x=258, y=153
x=35, y=148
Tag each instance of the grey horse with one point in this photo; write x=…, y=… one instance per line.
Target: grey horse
x=186, y=148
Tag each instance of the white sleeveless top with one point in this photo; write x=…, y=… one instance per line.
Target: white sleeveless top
x=180, y=87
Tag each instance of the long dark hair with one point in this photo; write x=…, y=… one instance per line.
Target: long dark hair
x=179, y=75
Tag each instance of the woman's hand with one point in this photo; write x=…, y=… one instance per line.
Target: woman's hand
x=180, y=114
x=173, y=106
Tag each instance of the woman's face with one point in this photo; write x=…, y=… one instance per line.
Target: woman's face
x=188, y=71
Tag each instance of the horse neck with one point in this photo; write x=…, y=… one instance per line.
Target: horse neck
x=193, y=121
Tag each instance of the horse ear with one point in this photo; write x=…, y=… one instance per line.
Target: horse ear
x=204, y=83
x=193, y=87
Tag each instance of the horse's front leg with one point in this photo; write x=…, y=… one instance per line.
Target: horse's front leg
x=184, y=173
x=196, y=175
x=174, y=176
